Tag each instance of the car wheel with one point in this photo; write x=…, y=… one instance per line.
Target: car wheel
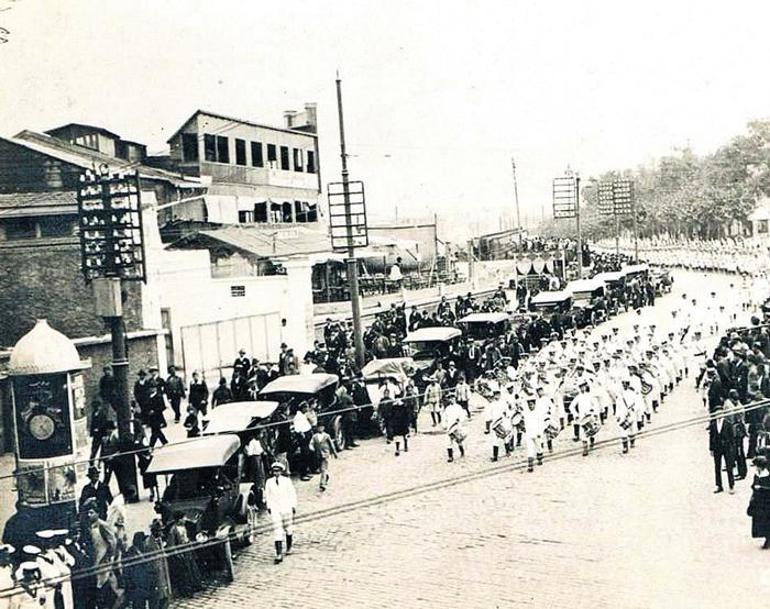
x=339, y=437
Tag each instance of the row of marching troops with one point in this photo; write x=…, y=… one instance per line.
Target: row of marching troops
x=617, y=380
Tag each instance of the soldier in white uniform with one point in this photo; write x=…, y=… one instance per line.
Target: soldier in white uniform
x=534, y=428
x=281, y=501
x=454, y=416
x=6, y=574
x=582, y=406
x=30, y=593
x=550, y=412
x=625, y=414
x=498, y=425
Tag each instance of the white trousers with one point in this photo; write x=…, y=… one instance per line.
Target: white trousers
x=282, y=524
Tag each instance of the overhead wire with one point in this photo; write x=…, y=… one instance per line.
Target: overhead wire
x=485, y=472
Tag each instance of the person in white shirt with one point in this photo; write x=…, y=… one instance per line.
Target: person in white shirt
x=453, y=424
x=534, y=428
x=302, y=433
x=625, y=413
x=281, y=501
x=581, y=407
x=497, y=423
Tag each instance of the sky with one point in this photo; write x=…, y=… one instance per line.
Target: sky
x=439, y=96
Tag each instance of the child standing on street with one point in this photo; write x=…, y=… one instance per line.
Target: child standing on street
x=321, y=444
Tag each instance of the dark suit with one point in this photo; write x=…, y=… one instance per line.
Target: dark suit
x=715, y=394
x=722, y=446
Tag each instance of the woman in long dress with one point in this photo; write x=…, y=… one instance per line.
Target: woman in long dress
x=759, y=506
x=185, y=575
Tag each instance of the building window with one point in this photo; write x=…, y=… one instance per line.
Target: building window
x=210, y=147
x=311, y=161
x=260, y=212
x=761, y=227
x=57, y=226
x=271, y=157
x=190, y=147
x=245, y=217
x=237, y=291
x=240, y=152
x=20, y=228
x=285, y=158
x=297, y=159
x=89, y=141
x=256, y=155
x=223, y=150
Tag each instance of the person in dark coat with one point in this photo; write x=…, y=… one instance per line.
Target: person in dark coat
x=98, y=490
x=199, y=394
x=136, y=573
x=98, y=427
x=759, y=506
x=222, y=394
x=175, y=391
x=107, y=386
x=400, y=421
x=159, y=583
x=142, y=395
x=722, y=448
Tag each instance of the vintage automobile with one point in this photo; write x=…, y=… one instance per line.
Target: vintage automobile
x=547, y=303
x=293, y=389
x=588, y=295
x=432, y=347
x=635, y=270
x=242, y=418
x=204, y=483
x=483, y=326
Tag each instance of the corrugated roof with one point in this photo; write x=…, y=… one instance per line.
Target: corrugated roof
x=85, y=158
x=21, y=204
x=264, y=242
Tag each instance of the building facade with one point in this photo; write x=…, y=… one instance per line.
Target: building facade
x=258, y=174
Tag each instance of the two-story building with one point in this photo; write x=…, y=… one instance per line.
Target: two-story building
x=259, y=174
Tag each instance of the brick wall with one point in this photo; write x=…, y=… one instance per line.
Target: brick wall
x=42, y=279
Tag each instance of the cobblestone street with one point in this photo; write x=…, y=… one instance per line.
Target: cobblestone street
x=640, y=530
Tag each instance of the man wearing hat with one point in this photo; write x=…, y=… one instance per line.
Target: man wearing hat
x=98, y=491
x=159, y=585
x=242, y=364
x=722, y=448
x=30, y=592
x=581, y=406
x=534, y=429
x=175, y=390
x=281, y=500
x=497, y=423
x=628, y=402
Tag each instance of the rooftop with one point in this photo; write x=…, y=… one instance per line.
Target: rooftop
x=21, y=204
x=224, y=117
x=260, y=241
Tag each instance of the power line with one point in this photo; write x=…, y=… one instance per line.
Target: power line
x=485, y=472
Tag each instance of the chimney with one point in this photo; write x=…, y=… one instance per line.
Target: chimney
x=288, y=117
x=311, y=116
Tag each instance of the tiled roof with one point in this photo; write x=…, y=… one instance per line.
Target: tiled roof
x=85, y=158
x=22, y=204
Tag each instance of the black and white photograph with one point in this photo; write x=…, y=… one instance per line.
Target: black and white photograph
x=363, y=304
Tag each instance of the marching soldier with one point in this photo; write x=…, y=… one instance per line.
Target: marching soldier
x=534, y=428
x=497, y=423
x=453, y=423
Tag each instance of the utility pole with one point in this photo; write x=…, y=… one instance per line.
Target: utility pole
x=516, y=197
x=577, y=226
x=352, y=265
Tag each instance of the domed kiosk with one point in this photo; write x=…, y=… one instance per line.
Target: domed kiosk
x=49, y=420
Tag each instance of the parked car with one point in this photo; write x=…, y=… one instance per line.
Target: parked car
x=293, y=389
x=547, y=303
x=482, y=326
x=204, y=483
x=589, y=295
x=432, y=347
x=242, y=419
